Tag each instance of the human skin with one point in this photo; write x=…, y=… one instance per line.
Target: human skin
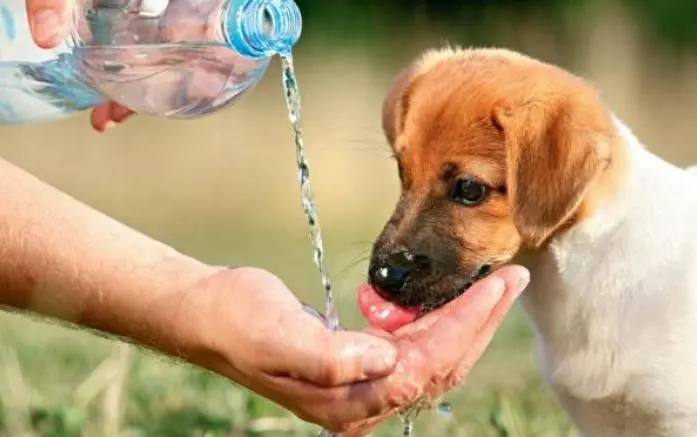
x=77, y=265
x=49, y=22
x=62, y=259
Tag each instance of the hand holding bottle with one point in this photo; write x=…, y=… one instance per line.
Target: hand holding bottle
x=49, y=21
x=167, y=58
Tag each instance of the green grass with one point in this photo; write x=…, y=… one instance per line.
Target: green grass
x=56, y=382
x=224, y=189
x=61, y=382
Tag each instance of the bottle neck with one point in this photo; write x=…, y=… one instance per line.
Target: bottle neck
x=262, y=28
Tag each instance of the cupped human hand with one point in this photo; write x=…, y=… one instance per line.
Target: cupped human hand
x=263, y=338
x=50, y=23
x=438, y=351
x=256, y=332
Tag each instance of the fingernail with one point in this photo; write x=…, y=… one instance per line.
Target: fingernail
x=379, y=361
x=523, y=280
x=46, y=25
x=108, y=125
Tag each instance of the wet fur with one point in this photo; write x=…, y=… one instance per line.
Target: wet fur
x=606, y=228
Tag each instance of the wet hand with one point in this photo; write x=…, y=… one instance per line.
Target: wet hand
x=50, y=23
x=263, y=339
x=252, y=329
x=438, y=351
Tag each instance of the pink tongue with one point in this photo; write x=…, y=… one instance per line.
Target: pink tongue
x=381, y=313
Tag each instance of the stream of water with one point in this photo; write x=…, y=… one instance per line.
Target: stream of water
x=331, y=315
x=292, y=93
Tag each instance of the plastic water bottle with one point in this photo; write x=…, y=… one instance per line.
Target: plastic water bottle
x=172, y=58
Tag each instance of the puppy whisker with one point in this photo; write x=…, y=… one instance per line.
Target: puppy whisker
x=353, y=264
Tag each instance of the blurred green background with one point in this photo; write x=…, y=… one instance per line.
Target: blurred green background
x=224, y=189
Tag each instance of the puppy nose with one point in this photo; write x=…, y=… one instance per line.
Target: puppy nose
x=391, y=275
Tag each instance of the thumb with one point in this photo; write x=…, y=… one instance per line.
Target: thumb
x=49, y=21
x=516, y=280
x=339, y=358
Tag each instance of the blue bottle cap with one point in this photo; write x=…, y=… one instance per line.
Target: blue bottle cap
x=262, y=28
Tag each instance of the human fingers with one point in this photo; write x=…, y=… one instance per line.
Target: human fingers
x=312, y=353
x=427, y=357
x=49, y=21
x=436, y=334
x=516, y=280
x=108, y=115
x=427, y=320
x=119, y=113
x=430, y=350
x=342, y=409
x=364, y=428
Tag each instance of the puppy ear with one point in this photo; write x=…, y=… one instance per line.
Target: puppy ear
x=555, y=151
x=394, y=107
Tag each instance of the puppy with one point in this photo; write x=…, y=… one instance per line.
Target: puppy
x=503, y=158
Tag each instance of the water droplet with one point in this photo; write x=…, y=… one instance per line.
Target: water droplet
x=445, y=409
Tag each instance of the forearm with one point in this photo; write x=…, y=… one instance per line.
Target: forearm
x=60, y=258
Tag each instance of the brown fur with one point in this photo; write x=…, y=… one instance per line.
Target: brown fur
x=537, y=135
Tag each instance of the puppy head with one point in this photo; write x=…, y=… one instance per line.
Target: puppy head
x=496, y=152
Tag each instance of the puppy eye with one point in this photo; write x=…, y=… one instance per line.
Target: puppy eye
x=469, y=192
